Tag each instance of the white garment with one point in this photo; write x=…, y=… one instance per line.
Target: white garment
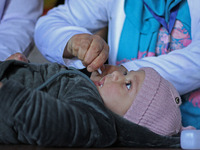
x=17, y=23
x=181, y=67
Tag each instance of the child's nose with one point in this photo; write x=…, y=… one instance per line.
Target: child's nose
x=116, y=75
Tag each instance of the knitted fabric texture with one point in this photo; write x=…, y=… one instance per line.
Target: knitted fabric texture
x=156, y=105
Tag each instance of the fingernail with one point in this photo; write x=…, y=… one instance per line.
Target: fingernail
x=89, y=69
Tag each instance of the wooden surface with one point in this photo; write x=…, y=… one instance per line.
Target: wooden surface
x=31, y=147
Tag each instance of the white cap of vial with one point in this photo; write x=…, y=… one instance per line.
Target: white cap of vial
x=99, y=71
x=190, y=139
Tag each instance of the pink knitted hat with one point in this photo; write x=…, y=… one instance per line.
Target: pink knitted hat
x=156, y=105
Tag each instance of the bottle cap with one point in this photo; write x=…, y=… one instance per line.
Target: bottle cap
x=99, y=71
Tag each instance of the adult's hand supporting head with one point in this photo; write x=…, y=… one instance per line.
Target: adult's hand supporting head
x=92, y=50
x=18, y=56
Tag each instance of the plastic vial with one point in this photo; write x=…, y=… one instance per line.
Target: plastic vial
x=99, y=70
x=190, y=139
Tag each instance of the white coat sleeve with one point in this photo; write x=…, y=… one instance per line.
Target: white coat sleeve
x=53, y=31
x=17, y=23
x=180, y=67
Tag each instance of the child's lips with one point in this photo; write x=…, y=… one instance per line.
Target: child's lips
x=101, y=82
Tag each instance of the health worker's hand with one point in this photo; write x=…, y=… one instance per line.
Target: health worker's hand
x=92, y=50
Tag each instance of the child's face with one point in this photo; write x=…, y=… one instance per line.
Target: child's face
x=119, y=90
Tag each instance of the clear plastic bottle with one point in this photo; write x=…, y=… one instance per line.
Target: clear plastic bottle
x=190, y=139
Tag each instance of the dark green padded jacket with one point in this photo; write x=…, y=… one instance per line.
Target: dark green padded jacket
x=50, y=105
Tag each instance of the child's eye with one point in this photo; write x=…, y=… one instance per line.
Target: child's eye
x=128, y=85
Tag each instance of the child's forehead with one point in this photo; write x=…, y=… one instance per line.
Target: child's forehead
x=133, y=74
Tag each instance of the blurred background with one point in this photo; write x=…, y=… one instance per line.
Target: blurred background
x=35, y=56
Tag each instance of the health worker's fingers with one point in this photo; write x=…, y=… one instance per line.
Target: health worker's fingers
x=78, y=46
x=84, y=47
x=97, y=54
x=95, y=49
x=99, y=61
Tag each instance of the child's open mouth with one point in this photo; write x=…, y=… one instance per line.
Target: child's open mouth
x=101, y=82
